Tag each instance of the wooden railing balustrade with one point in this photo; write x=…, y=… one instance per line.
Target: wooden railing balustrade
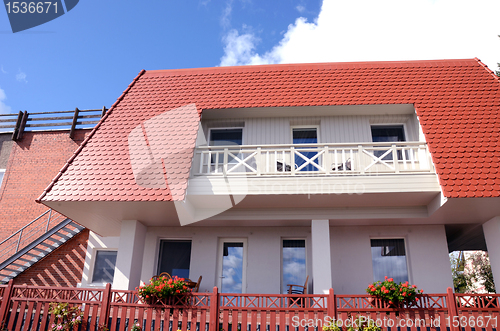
x=27, y=308
x=313, y=159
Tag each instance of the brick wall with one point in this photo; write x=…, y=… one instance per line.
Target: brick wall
x=33, y=163
x=62, y=267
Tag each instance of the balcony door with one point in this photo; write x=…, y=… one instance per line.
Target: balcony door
x=175, y=257
x=232, y=265
x=305, y=135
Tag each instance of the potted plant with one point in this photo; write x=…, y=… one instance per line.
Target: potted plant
x=393, y=294
x=165, y=290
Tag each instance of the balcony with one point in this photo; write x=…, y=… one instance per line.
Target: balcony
x=355, y=159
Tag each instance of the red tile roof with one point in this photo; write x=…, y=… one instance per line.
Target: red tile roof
x=457, y=102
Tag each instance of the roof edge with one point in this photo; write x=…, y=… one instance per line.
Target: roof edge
x=91, y=134
x=347, y=65
x=488, y=69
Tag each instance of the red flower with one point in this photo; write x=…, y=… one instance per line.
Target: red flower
x=414, y=286
x=383, y=288
x=390, y=279
x=404, y=294
x=386, y=291
x=421, y=291
x=373, y=289
x=416, y=299
x=385, y=277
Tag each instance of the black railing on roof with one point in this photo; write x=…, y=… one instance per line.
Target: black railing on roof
x=54, y=120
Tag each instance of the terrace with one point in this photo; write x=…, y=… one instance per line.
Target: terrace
x=26, y=307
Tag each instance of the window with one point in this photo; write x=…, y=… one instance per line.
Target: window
x=225, y=137
x=389, y=259
x=104, y=266
x=387, y=133
x=305, y=136
x=293, y=263
x=232, y=265
x=175, y=257
x=2, y=173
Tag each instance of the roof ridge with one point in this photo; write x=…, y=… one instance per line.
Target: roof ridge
x=332, y=65
x=488, y=69
x=91, y=134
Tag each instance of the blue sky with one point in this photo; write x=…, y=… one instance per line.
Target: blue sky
x=87, y=57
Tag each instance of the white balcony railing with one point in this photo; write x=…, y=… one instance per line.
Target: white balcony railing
x=313, y=159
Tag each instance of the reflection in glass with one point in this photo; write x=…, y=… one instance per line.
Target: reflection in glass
x=104, y=267
x=389, y=259
x=232, y=267
x=294, y=263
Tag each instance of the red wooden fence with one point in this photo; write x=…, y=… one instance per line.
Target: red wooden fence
x=25, y=308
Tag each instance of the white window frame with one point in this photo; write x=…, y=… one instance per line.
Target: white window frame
x=220, y=251
x=305, y=127
x=281, y=258
x=94, y=260
x=407, y=254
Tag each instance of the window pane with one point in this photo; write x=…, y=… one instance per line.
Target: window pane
x=305, y=136
x=221, y=137
x=389, y=259
x=388, y=133
x=104, y=267
x=175, y=257
x=232, y=267
x=294, y=263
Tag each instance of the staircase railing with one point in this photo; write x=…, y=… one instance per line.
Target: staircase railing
x=28, y=233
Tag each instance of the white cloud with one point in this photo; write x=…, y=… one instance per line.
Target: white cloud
x=384, y=30
x=300, y=8
x=225, y=20
x=4, y=109
x=21, y=77
x=3, y=70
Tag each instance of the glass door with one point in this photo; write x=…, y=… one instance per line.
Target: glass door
x=232, y=265
x=305, y=136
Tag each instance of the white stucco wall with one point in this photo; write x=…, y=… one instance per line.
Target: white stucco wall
x=264, y=253
x=426, y=252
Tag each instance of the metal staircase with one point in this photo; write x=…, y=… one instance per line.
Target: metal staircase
x=34, y=241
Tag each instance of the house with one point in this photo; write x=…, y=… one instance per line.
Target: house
x=259, y=176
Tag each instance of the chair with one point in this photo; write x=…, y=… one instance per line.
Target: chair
x=280, y=166
x=194, y=286
x=342, y=166
x=297, y=289
x=197, y=287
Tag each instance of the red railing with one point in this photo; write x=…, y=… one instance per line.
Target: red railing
x=27, y=308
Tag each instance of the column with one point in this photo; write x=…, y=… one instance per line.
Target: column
x=491, y=231
x=321, y=261
x=130, y=254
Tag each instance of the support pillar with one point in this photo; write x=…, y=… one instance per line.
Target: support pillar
x=130, y=255
x=491, y=231
x=321, y=260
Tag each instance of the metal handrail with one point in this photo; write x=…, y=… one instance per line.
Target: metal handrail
x=27, y=234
